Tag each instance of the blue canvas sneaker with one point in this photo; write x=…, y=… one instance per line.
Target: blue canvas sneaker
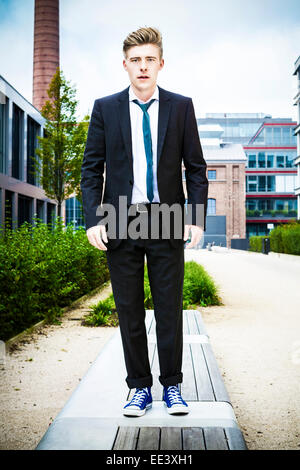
x=173, y=401
x=140, y=402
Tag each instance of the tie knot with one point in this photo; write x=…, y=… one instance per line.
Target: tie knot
x=144, y=106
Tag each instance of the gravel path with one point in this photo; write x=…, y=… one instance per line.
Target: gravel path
x=41, y=374
x=255, y=336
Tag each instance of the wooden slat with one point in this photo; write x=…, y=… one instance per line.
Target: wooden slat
x=188, y=386
x=235, y=439
x=215, y=439
x=170, y=438
x=193, y=439
x=148, y=438
x=152, y=329
x=149, y=319
x=202, y=377
x=185, y=328
x=219, y=389
x=200, y=322
x=126, y=438
x=193, y=324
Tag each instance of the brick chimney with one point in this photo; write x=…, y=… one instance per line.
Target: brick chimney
x=46, y=48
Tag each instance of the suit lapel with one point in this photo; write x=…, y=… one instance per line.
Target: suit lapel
x=124, y=117
x=163, y=119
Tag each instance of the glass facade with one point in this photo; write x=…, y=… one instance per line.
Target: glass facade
x=274, y=159
x=266, y=205
x=277, y=136
x=270, y=183
x=74, y=213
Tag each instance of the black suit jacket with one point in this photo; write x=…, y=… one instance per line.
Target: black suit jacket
x=109, y=142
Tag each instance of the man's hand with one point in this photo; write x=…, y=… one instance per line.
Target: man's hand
x=96, y=236
x=196, y=235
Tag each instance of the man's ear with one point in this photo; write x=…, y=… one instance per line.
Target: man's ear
x=162, y=63
x=124, y=64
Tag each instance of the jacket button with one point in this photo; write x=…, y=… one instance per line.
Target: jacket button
x=131, y=182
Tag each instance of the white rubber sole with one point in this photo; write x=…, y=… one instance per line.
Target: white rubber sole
x=177, y=409
x=136, y=412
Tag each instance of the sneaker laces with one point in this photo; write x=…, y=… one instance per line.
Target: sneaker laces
x=138, y=396
x=174, y=395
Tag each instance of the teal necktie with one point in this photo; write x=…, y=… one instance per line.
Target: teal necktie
x=148, y=146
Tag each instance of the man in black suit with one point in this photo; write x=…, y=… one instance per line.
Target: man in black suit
x=140, y=136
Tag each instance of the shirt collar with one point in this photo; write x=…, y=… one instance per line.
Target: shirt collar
x=132, y=95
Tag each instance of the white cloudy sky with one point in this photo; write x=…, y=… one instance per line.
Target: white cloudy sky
x=228, y=55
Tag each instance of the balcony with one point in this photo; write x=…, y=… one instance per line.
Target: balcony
x=268, y=214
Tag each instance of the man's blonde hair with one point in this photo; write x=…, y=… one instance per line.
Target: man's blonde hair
x=143, y=36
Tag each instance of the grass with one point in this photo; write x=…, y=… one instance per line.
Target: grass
x=199, y=289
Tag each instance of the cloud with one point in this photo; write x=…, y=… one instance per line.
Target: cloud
x=231, y=56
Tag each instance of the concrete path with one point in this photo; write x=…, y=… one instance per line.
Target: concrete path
x=256, y=339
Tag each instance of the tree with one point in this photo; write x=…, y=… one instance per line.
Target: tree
x=60, y=152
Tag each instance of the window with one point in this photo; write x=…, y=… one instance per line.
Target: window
x=270, y=161
x=211, y=174
x=261, y=183
x=251, y=204
x=17, y=141
x=269, y=135
x=286, y=135
x=261, y=160
x=74, y=214
x=280, y=161
x=51, y=213
x=211, y=206
x=252, y=161
x=40, y=209
x=32, y=132
x=271, y=183
x=2, y=132
x=24, y=209
x=251, y=182
x=289, y=160
x=277, y=135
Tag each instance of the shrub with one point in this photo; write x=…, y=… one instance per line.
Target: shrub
x=103, y=313
x=255, y=242
x=198, y=289
x=286, y=238
x=43, y=269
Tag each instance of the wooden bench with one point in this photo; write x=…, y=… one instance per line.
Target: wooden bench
x=92, y=418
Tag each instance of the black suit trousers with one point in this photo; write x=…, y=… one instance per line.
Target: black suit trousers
x=165, y=265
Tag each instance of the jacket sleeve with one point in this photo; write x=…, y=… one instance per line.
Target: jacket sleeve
x=195, y=170
x=92, y=168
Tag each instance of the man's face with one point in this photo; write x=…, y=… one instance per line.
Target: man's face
x=143, y=64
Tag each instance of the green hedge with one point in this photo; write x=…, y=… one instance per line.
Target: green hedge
x=198, y=289
x=43, y=269
x=255, y=242
x=286, y=238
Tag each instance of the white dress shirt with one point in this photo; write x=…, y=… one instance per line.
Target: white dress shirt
x=139, y=190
